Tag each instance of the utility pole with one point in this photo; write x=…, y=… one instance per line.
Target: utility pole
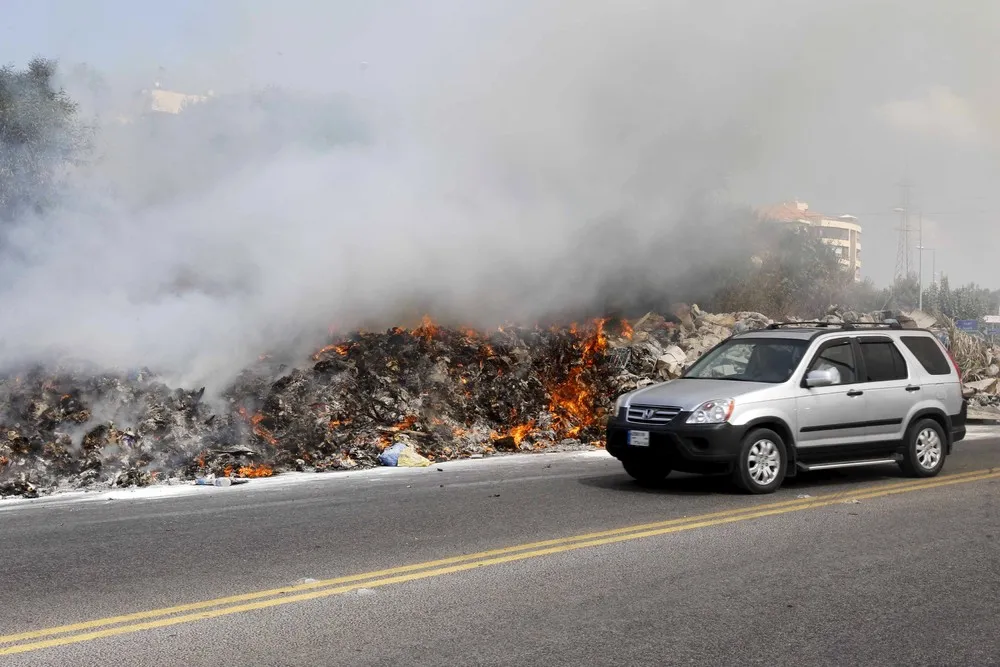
x=920, y=263
x=903, y=247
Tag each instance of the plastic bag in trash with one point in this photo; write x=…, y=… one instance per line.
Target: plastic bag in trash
x=390, y=455
x=409, y=458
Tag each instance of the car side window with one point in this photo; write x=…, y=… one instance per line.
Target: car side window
x=883, y=361
x=838, y=357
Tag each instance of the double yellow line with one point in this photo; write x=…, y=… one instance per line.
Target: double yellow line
x=75, y=633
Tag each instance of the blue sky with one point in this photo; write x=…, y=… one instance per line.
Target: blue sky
x=102, y=32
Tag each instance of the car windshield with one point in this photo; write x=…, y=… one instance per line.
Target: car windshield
x=771, y=360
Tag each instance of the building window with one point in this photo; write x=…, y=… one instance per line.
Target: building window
x=835, y=233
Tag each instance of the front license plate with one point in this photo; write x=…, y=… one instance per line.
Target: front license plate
x=638, y=438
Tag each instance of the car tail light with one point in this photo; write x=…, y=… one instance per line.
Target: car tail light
x=954, y=363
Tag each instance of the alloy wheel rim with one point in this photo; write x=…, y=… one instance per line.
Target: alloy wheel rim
x=763, y=462
x=928, y=449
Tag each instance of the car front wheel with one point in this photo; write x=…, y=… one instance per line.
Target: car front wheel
x=760, y=466
x=925, y=449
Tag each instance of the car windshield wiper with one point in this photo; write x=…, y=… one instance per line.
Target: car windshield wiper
x=738, y=379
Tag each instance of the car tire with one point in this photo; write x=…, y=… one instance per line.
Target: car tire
x=925, y=449
x=646, y=471
x=761, y=463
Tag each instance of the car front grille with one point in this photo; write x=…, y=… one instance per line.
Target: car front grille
x=651, y=414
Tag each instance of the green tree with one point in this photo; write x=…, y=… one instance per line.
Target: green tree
x=786, y=272
x=972, y=302
x=946, y=300
x=40, y=138
x=932, y=298
x=865, y=297
x=905, y=293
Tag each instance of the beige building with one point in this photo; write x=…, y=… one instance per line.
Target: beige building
x=169, y=101
x=159, y=100
x=842, y=232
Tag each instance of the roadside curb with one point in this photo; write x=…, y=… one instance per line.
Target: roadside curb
x=983, y=421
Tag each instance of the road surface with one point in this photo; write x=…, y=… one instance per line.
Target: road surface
x=531, y=560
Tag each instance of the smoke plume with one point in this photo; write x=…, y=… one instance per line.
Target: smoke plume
x=482, y=161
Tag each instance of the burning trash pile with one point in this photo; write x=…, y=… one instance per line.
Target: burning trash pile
x=407, y=397
x=397, y=397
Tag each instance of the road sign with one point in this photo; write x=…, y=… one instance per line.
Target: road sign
x=967, y=325
x=994, y=331
x=992, y=319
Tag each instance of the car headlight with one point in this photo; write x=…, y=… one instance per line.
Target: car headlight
x=713, y=412
x=620, y=403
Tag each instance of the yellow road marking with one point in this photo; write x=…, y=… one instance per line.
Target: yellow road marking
x=452, y=565
x=86, y=625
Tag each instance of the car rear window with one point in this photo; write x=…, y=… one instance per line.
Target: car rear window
x=928, y=353
x=883, y=362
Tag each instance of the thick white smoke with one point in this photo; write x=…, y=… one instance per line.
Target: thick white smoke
x=491, y=160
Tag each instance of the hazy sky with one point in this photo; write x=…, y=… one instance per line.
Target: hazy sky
x=884, y=90
x=534, y=117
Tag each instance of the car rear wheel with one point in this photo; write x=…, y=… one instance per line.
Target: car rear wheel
x=761, y=464
x=646, y=471
x=925, y=449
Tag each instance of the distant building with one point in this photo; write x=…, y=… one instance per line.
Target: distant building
x=158, y=100
x=169, y=101
x=842, y=232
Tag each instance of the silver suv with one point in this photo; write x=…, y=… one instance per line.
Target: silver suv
x=763, y=405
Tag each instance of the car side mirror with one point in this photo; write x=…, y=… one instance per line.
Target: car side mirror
x=820, y=378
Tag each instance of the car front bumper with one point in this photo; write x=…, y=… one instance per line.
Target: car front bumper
x=684, y=446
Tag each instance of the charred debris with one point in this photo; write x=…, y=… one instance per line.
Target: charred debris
x=443, y=393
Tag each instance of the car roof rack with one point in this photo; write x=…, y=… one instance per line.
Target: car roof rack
x=846, y=326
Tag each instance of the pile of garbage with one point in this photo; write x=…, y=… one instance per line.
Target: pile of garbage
x=402, y=397
x=980, y=363
x=399, y=397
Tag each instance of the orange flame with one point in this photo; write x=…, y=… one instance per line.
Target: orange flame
x=255, y=470
x=572, y=402
x=340, y=348
x=517, y=433
x=427, y=329
x=258, y=429
x=407, y=422
x=627, y=330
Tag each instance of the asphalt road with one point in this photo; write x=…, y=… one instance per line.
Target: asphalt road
x=858, y=567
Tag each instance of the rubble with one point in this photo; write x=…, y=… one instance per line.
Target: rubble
x=402, y=397
x=440, y=393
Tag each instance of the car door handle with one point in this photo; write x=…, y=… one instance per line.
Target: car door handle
x=854, y=392
x=913, y=387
